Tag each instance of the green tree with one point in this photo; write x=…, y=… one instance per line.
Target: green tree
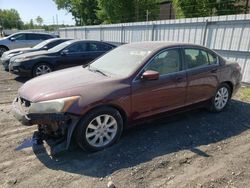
x=83, y=11
x=10, y=19
x=117, y=11
x=39, y=20
x=199, y=8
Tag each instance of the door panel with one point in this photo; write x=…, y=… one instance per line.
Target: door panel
x=152, y=97
x=202, y=74
x=202, y=84
x=166, y=93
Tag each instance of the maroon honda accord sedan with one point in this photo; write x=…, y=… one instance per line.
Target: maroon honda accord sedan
x=135, y=81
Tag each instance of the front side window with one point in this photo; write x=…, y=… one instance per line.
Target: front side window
x=76, y=48
x=198, y=58
x=20, y=37
x=166, y=62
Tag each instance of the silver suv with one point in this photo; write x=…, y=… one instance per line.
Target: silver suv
x=22, y=39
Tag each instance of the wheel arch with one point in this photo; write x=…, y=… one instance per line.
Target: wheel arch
x=4, y=47
x=116, y=107
x=230, y=84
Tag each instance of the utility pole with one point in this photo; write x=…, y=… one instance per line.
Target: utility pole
x=147, y=15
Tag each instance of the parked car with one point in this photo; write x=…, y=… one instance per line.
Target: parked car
x=130, y=83
x=67, y=54
x=21, y=40
x=45, y=45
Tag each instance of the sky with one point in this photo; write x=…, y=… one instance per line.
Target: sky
x=30, y=9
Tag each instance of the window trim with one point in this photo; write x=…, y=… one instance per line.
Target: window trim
x=182, y=68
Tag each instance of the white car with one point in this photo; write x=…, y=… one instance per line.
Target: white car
x=22, y=39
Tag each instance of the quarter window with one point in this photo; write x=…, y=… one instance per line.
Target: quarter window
x=212, y=58
x=166, y=62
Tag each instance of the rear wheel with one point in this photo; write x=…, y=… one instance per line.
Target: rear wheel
x=99, y=129
x=221, y=98
x=2, y=50
x=41, y=68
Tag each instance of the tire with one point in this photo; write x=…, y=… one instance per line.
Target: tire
x=41, y=68
x=221, y=98
x=93, y=136
x=2, y=50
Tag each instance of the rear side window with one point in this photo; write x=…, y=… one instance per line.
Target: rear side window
x=196, y=58
x=38, y=37
x=34, y=37
x=53, y=44
x=45, y=37
x=98, y=47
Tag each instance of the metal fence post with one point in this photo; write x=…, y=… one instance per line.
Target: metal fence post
x=100, y=33
x=205, y=33
x=122, y=34
x=153, y=32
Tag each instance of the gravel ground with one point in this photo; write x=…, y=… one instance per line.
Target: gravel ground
x=192, y=149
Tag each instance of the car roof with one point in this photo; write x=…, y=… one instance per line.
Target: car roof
x=156, y=45
x=28, y=32
x=78, y=40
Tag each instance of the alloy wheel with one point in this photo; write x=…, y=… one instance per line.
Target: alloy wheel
x=42, y=69
x=2, y=50
x=101, y=130
x=221, y=98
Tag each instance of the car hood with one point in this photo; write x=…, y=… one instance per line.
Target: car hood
x=68, y=82
x=32, y=54
x=16, y=51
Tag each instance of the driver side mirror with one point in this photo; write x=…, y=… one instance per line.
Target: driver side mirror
x=64, y=52
x=150, y=75
x=12, y=39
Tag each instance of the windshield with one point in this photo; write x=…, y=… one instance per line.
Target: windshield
x=41, y=44
x=59, y=47
x=121, y=61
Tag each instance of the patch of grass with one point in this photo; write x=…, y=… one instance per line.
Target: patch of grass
x=243, y=94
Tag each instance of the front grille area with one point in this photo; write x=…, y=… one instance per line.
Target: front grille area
x=25, y=104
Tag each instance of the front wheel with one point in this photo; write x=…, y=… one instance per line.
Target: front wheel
x=221, y=98
x=99, y=129
x=41, y=68
x=2, y=50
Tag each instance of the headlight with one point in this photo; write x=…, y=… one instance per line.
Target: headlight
x=53, y=106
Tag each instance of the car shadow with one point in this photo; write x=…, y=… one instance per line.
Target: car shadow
x=186, y=131
x=21, y=79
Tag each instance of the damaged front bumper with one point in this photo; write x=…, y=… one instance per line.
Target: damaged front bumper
x=31, y=119
x=56, y=124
